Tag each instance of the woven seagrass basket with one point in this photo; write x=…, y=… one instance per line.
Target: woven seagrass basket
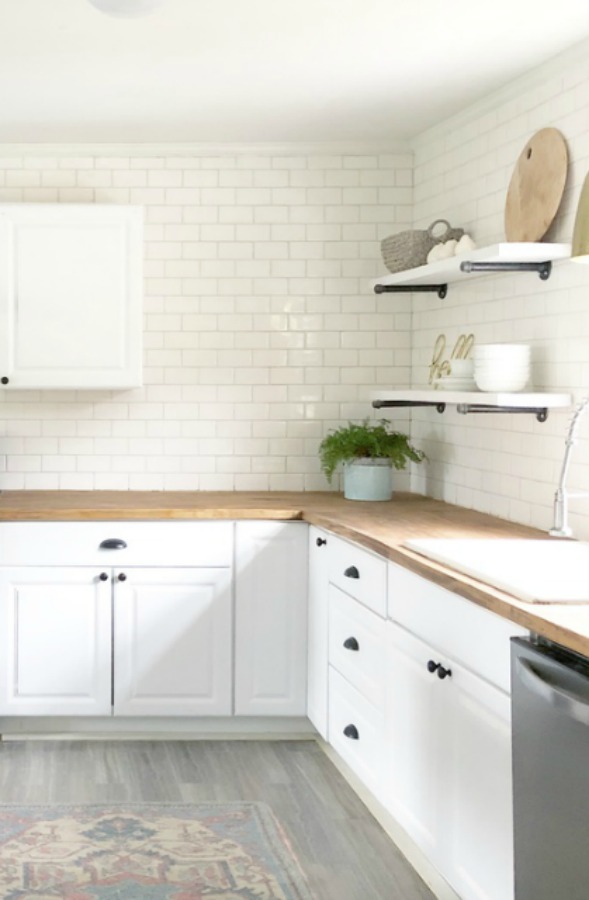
x=409, y=249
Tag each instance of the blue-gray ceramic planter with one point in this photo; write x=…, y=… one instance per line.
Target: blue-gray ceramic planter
x=368, y=479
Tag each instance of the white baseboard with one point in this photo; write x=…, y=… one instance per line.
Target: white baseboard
x=412, y=853
x=19, y=728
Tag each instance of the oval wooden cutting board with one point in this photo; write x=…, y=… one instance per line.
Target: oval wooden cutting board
x=536, y=186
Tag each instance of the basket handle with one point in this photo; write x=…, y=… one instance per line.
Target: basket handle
x=430, y=230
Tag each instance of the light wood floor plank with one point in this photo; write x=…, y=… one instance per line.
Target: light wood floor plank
x=342, y=849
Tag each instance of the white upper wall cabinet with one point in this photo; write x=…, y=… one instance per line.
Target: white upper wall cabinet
x=70, y=296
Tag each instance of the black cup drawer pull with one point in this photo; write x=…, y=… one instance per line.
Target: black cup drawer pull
x=352, y=572
x=351, y=644
x=113, y=544
x=351, y=732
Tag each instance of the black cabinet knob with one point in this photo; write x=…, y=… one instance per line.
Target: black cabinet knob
x=121, y=576
x=320, y=542
x=432, y=666
x=351, y=732
x=4, y=379
x=112, y=544
x=103, y=576
x=444, y=673
x=352, y=572
x=351, y=644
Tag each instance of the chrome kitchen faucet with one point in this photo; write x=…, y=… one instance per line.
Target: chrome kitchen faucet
x=560, y=527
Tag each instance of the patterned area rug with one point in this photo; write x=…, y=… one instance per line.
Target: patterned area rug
x=160, y=851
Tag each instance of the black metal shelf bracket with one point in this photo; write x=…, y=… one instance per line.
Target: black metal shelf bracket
x=542, y=268
x=440, y=289
x=541, y=412
x=383, y=404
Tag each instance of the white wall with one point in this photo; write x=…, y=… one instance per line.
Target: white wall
x=507, y=465
x=261, y=331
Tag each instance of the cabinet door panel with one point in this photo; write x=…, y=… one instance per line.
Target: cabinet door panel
x=479, y=819
x=70, y=295
x=416, y=710
x=271, y=619
x=55, y=633
x=449, y=767
x=173, y=642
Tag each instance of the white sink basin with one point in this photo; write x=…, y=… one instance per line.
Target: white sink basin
x=535, y=571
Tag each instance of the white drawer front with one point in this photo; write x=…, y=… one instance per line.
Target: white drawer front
x=357, y=645
x=474, y=636
x=146, y=543
x=359, y=573
x=356, y=731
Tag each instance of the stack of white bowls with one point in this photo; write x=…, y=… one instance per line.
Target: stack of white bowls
x=501, y=367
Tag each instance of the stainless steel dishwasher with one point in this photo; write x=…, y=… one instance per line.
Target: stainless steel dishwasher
x=550, y=721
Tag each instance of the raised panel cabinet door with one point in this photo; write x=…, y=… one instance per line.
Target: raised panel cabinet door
x=271, y=619
x=55, y=634
x=172, y=642
x=478, y=819
x=317, y=630
x=70, y=295
x=417, y=710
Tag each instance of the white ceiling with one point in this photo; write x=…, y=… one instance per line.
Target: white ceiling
x=264, y=70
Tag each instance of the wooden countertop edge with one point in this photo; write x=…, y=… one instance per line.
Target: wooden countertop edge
x=323, y=511
x=529, y=616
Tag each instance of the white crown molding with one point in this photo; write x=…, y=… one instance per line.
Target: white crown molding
x=335, y=148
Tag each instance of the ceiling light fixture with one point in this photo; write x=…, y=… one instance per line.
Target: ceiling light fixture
x=126, y=9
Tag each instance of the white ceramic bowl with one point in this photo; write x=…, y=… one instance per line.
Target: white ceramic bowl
x=461, y=368
x=502, y=369
x=501, y=351
x=499, y=382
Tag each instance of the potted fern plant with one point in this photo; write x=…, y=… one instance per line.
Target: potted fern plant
x=368, y=453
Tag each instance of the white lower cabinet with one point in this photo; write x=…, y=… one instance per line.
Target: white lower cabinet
x=448, y=733
x=173, y=642
x=153, y=618
x=145, y=642
x=270, y=619
x=55, y=642
x=449, y=766
x=357, y=672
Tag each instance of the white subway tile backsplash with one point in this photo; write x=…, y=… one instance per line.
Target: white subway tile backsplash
x=507, y=465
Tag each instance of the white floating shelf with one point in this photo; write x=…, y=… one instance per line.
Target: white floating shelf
x=448, y=270
x=473, y=401
x=511, y=398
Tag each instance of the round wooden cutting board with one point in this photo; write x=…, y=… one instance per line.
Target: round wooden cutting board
x=536, y=186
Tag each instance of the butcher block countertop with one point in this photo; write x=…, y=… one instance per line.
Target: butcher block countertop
x=382, y=527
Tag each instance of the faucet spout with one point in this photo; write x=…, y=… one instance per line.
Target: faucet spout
x=560, y=527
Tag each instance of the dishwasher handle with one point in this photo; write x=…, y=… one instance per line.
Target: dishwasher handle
x=574, y=707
